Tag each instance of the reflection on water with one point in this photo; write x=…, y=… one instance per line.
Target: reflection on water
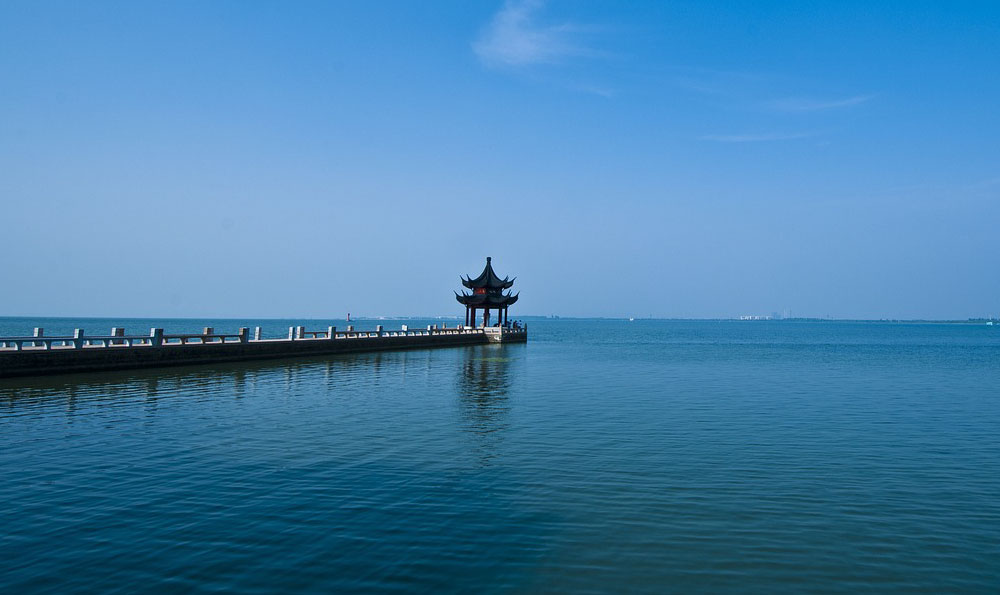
x=483, y=396
x=222, y=380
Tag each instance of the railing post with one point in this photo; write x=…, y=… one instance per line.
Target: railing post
x=350, y=328
x=405, y=328
x=256, y=333
x=156, y=337
x=78, y=338
x=208, y=330
x=39, y=332
x=116, y=332
x=291, y=333
x=300, y=332
x=331, y=332
x=378, y=329
x=244, y=334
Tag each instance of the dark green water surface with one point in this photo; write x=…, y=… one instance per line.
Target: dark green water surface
x=603, y=456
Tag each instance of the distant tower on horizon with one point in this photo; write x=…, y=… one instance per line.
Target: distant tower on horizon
x=487, y=294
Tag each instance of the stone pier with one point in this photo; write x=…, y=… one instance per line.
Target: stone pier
x=42, y=355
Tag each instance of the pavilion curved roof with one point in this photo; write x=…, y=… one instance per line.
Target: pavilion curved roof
x=497, y=300
x=488, y=279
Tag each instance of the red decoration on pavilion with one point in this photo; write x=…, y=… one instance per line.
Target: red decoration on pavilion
x=487, y=295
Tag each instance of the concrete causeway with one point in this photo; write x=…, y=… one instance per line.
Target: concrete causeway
x=39, y=355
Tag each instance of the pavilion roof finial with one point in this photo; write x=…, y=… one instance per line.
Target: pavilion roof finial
x=488, y=279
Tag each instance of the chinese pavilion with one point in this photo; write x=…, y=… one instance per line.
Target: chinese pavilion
x=487, y=294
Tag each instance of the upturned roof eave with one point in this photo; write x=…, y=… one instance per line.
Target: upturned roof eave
x=488, y=279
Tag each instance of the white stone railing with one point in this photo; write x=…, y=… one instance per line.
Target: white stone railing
x=117, y=339
x=299, y=333
x=157, y=338
x=500, y=334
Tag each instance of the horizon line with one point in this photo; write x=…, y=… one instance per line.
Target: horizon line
x=366, y=318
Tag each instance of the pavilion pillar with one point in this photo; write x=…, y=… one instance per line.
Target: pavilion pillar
x=473, y=317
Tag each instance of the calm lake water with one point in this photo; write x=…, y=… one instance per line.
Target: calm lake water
x=651, y=456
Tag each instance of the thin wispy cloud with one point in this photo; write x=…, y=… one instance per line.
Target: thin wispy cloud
x=598, y=90
x=803, y=104
x=515, y=38
x=754, y=138
x=729, y=83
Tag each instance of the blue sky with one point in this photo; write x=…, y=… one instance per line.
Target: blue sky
x=674, y=159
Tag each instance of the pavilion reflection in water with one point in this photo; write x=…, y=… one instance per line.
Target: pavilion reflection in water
x=484, y=388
